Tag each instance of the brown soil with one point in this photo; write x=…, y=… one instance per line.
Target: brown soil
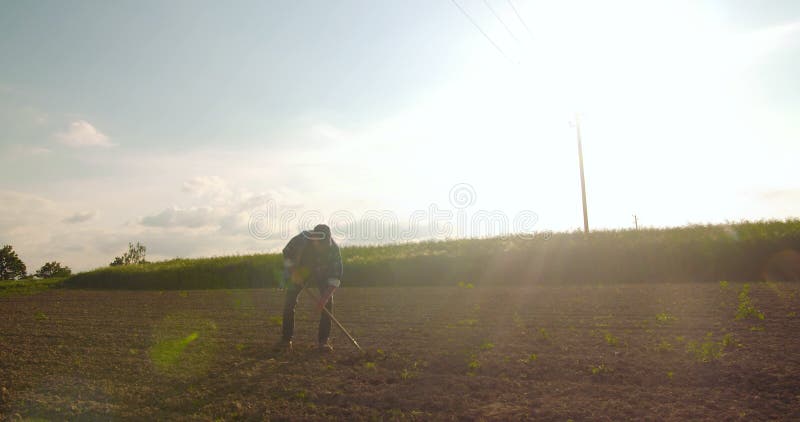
x=654, y=352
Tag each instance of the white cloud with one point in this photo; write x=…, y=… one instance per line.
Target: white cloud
x=24, y=213
x=30, y=223
x=221, y=208
x=207, y=186
x=194, y=217
x=82, y=134
x=41, y=230
x=79, y=217
x=24, y=151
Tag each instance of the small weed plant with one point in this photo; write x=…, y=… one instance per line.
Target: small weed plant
x=709, y=350
x=599, y=369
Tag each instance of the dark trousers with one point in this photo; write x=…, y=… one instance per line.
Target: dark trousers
x=292, y=293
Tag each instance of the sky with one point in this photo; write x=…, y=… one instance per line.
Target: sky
x=203, y=128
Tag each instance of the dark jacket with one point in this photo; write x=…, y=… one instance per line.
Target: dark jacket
x=319, y=265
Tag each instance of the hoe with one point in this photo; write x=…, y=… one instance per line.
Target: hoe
x=321, y=304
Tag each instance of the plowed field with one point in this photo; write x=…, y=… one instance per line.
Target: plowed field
x=613, y=352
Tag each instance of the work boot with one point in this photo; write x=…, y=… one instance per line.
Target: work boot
x=282, y=346
x=325, y=348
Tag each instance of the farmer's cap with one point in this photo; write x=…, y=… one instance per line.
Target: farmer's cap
x=321, y=232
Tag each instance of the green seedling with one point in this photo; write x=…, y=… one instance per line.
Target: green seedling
x=746, y=308
x=469, y=322
x=473, y=364
x=709, y=350
x=518, y=320
x=544, y=334
x=727, y=340
x=664, y=346
x=665, y=317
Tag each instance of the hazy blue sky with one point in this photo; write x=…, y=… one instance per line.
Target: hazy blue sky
x=170, y=122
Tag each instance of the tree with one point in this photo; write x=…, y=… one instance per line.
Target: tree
x=53, y=269
x=135, y=255
x=11, y=267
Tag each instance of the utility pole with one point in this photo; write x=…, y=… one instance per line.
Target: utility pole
x=583, y=180
x=636, y=221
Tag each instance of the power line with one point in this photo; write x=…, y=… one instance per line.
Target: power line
x=464, y=12
x=522, y=21
x=486, y=2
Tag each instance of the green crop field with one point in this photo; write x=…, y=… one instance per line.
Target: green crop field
x=22, y=287
x=745, y=251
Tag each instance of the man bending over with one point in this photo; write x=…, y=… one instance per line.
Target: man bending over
x=311, y=259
